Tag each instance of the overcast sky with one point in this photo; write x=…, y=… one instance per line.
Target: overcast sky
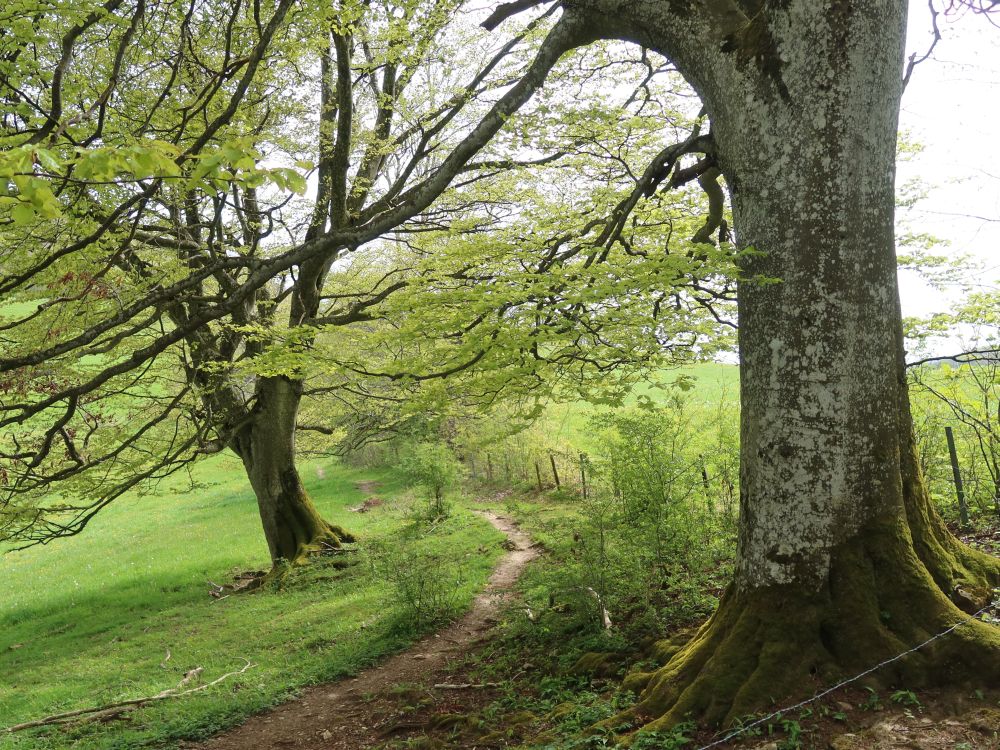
x=952, y=108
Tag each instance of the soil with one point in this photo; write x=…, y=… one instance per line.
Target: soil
x=373, y=708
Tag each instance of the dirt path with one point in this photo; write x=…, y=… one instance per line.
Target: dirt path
x=366, y=711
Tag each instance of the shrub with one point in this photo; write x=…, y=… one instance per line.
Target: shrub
x=426, y=588
x=653, y=535
x=434, y=468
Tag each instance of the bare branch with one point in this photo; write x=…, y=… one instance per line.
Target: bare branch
x=507, y=10
x=110, y=710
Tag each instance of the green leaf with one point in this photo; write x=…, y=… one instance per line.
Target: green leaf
x=23, y=213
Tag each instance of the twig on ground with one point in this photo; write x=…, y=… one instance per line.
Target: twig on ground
x=111, y=710
x=466, y=685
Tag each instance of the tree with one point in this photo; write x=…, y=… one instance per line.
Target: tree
x=145, y=186
x=842, y=560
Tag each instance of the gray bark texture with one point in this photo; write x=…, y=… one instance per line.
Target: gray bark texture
x=803, y=98
x=842, y=561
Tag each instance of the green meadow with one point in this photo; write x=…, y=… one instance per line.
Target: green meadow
x=704, y=387
x=123, y=610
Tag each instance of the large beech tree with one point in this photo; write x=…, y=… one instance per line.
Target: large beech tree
x=842, y=560
x=149, y=149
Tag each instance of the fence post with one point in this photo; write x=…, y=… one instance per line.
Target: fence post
x=472, y=467
x=555, y=474
x=538, y=475
x=583, y=474
x=708, y=487
x=963, y=507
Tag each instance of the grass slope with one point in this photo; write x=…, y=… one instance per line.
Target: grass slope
x=91, y=619
x=711, y=384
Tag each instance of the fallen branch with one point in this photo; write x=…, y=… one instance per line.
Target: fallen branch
x=110, y=710
x=466, y=685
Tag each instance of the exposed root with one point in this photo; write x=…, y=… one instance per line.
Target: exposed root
x=954, y=566
x=768, y=645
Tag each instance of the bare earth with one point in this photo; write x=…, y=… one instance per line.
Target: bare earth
x=365, y=711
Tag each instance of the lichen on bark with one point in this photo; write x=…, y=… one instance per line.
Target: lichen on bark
x=842, y=562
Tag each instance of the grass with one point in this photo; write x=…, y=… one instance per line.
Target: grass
x=711, y=384
x=91, y=619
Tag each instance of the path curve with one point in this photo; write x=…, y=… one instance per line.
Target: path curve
x=355, y=713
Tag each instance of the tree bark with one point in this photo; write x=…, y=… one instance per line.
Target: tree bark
x=292, y=525
x=842, y=561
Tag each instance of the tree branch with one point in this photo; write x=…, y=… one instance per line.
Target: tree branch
x=108, y=710
x=508, y=10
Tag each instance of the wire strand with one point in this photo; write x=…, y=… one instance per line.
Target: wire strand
x=843, y=683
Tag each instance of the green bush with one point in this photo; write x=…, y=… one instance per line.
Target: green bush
x=426, y=586
x=654, y=533
x=434, y=468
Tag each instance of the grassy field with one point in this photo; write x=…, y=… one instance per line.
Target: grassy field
x=711, y=384
x=123, y=610
x=91, y=619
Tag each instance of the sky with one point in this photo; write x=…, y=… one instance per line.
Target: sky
x=951, y=107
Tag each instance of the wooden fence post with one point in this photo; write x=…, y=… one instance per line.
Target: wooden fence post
x=583, y=475
x=708, y=487
x=555, y=473
x=538, y=475
x=963, y=506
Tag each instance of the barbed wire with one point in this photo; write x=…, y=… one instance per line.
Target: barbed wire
x=844, y=683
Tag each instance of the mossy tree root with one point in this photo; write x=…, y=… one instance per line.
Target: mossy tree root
x=304, y=533
x=294, y=528
x=771, y=645
x=965, y=574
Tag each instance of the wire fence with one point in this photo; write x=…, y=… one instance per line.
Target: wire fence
x=559, y=469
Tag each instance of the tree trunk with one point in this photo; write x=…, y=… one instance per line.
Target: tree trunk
x=292, y=525
x=842, y=561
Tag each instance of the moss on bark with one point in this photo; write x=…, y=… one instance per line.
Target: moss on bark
x=300, y=530
x=966, y=575
x=881, y=598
